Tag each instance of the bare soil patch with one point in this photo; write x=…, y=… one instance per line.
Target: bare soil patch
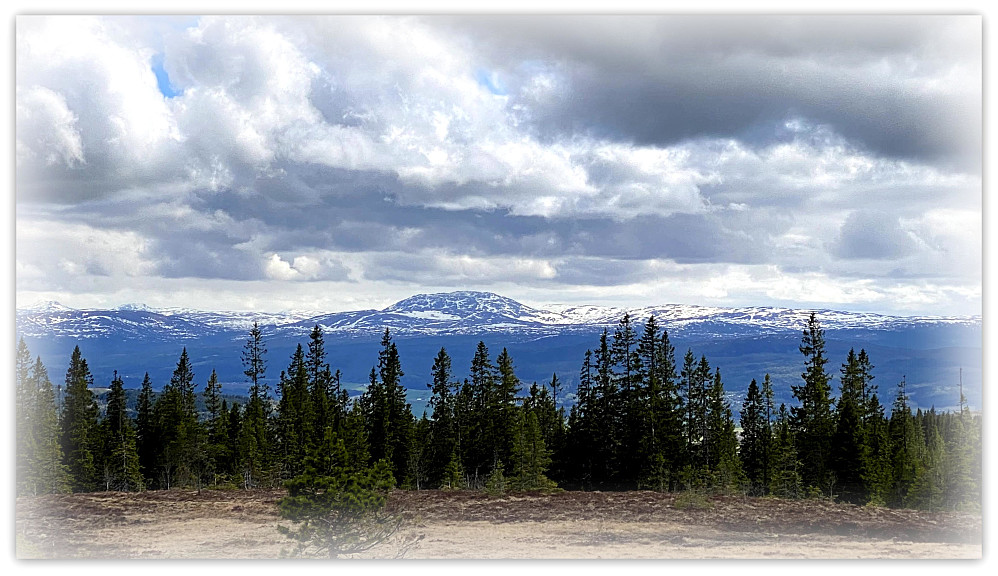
x=460, y=524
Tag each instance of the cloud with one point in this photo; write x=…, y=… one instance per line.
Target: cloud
x=47, y=129
x=875, y=236
x=904, y=87
x=62, y=255
x=305, y=267
x=126, y=133
x=574, y=153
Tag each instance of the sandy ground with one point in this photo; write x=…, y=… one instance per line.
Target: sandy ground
x=242, y=525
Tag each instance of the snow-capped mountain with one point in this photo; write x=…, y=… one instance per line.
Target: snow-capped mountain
x=447, y=313
x=746, y=343
x=679, y=316
x=472, y=308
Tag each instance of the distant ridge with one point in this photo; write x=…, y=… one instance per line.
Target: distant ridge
x=746, y=343
x=461, y=312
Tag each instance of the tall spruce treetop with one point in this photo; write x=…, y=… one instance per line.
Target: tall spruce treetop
x=145, y=424
x=213, y=398
x=870, y=409
x=389, y=365
x=813, y=420
x=443, y=386
x=851, y=387
x=508, y=384
x=649, y=355
x=323, y=387
x=116, y=412
x=586, y=387
x=689, y=390
x=755, y=434
x=624, y=355
x=183, y=381
x=483, y=375
x=254, y=363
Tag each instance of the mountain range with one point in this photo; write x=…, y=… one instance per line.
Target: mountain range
x=932, y=353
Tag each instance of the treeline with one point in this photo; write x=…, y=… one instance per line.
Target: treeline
x=639, y=420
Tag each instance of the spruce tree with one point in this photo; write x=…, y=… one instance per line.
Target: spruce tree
x=667, y=411
x=813, y=420
x=929, y=486
x=690, y=389
x=146, y=439
x=786, y=479
x=907, y=444
x=648, y=411
x=354, y=436
x=388, y=416
x=443, y=445
x=530, y=455
x=580, y=434
x=48, y=474
x=755, y=438
x=960, y=492
x=503, y=409
x=24, y=398
x=233, y=429
x=767, y=455
x=295, y=416
x=217, y=427
x=418, y=452
x=254, y=440
x=626, y=375
x=323, y=388
x=480, y=446
x=864, y=373
x=624, y=354
x=552, y=421
x=848, y=440
x=336, y=508
x=876, y=465
x=722, y=452
x=78, y=424
x=606, y=420
x=699, y=407
x=183, y=458
x=121, y=460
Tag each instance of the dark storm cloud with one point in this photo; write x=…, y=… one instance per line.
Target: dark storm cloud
x=358, y=215
x=193, y=258
x=659, y=81
x=873, y=235
x=724, y=101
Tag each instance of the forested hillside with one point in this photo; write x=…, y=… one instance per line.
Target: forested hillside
x=645, y=417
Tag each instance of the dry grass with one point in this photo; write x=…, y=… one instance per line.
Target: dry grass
x=463, y=524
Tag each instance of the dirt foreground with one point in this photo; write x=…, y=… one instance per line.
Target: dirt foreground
x=470, y=525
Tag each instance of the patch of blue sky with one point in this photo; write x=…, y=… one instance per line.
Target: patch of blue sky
x=166, y=88
x=490, y=80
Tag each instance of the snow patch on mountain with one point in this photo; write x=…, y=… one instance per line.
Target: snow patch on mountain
x=47, y=307
x=464, y=312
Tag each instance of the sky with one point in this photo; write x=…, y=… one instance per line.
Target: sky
x=333, y=163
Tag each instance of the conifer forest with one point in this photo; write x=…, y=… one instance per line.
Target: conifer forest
x=645, y=417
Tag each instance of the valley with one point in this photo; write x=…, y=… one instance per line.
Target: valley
x=931, y=353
